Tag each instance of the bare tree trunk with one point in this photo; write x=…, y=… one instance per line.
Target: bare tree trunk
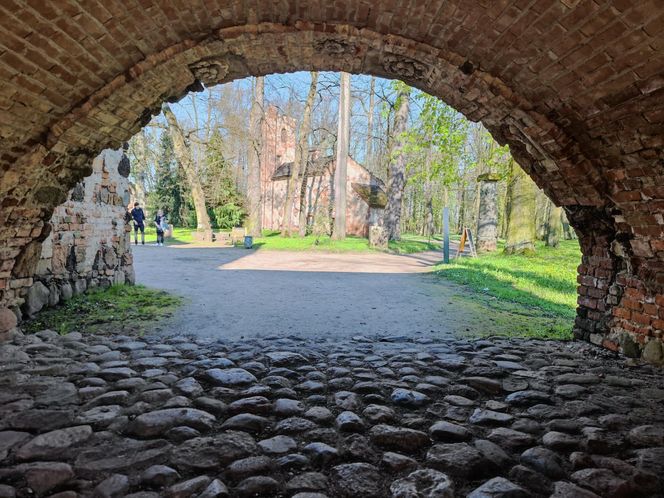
x=369, y=152
x=397, y=169
x=554, y=226
x=487, y=218
x=253, y=223
x=343, y=136
x=300, y=165
x=568, y=231
x=462, y=207
x=141, y=150
x=521, y=228
x=184, y=157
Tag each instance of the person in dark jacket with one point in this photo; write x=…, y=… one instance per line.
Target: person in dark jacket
x=138, y=216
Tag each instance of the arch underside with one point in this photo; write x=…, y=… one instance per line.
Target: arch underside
x=577, y=91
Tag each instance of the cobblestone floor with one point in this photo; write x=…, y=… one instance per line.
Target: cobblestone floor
x=179, y=417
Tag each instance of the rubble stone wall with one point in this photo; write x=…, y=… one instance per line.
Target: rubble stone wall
x=88, y=242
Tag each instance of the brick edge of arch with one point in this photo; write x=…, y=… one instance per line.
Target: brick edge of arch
x=621, y=276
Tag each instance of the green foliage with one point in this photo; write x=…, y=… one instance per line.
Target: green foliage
x=542, y=285
x=169, y=191
x=435, y=143
x=224, y=200
x=117, y=309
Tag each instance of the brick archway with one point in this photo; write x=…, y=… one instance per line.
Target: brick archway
x=575, y=89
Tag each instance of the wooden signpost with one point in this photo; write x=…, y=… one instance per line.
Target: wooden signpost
x=466, y=236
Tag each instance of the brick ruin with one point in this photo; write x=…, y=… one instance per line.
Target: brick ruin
x=576, y=88
x=87, y=243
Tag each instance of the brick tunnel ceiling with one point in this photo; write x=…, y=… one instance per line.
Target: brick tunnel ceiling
x=575, y=88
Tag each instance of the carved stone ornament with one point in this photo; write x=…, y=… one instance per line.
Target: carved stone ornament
x=404, y=67
x=331, y=46
x=209, y=71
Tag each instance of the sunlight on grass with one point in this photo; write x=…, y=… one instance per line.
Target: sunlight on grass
x=119, y=308
x=180, y=236
x=545, y=282
x=272, y=240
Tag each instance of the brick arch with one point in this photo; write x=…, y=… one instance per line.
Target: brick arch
x=575, y=89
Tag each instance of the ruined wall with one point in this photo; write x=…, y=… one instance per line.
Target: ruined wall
x=278, y=146
x=621, y=300
x=88, y=244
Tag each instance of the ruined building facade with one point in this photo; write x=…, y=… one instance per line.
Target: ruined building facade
x=277, y=161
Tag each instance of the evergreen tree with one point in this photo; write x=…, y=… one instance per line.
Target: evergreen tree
x=168, y=193
x=226, y=204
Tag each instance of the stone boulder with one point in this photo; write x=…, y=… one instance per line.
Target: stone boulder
x=37, y=297
x=8, y=323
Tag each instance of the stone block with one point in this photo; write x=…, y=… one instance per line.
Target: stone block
x=653, y=352
x=203, y=236
x=37, y=297
x=377, y=237
x=8, y=320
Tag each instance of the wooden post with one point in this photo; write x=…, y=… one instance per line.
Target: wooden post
x=446, y=235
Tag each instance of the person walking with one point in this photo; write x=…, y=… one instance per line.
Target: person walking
x=159, y=221
x=138, y=216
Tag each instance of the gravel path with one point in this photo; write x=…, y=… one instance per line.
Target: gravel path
x=234, y=293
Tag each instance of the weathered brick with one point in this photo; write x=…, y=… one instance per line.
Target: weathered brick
x=579, y=83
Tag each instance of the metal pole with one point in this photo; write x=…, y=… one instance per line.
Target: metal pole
x=446, y=235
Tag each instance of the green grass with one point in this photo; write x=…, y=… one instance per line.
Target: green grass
x=272, y=240
x=119, y=308
x=541, y=286
x=180, y=236
x=410, y=244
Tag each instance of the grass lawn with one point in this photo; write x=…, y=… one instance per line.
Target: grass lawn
x=272, y=240
x=118, y=309
x=541, y=287
x=180, y=236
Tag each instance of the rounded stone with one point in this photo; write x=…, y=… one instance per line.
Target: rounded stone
x=277, y=445
x=425, y=482
x=352, y=480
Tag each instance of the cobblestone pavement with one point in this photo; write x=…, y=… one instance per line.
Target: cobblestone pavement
x=359, y=417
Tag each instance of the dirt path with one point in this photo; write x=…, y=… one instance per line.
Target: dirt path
x=233, y=292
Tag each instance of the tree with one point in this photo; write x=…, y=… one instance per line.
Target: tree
x=303, y=152
x=397, y=168
x=299, y=165
x=141, y=158
x=223, y=198
x=168, y=192
x=368, y=156
x=184, y=157
x=253, y=222
x=434, y=146
x=343, y=137
x=521, y=215
x=554, y=225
